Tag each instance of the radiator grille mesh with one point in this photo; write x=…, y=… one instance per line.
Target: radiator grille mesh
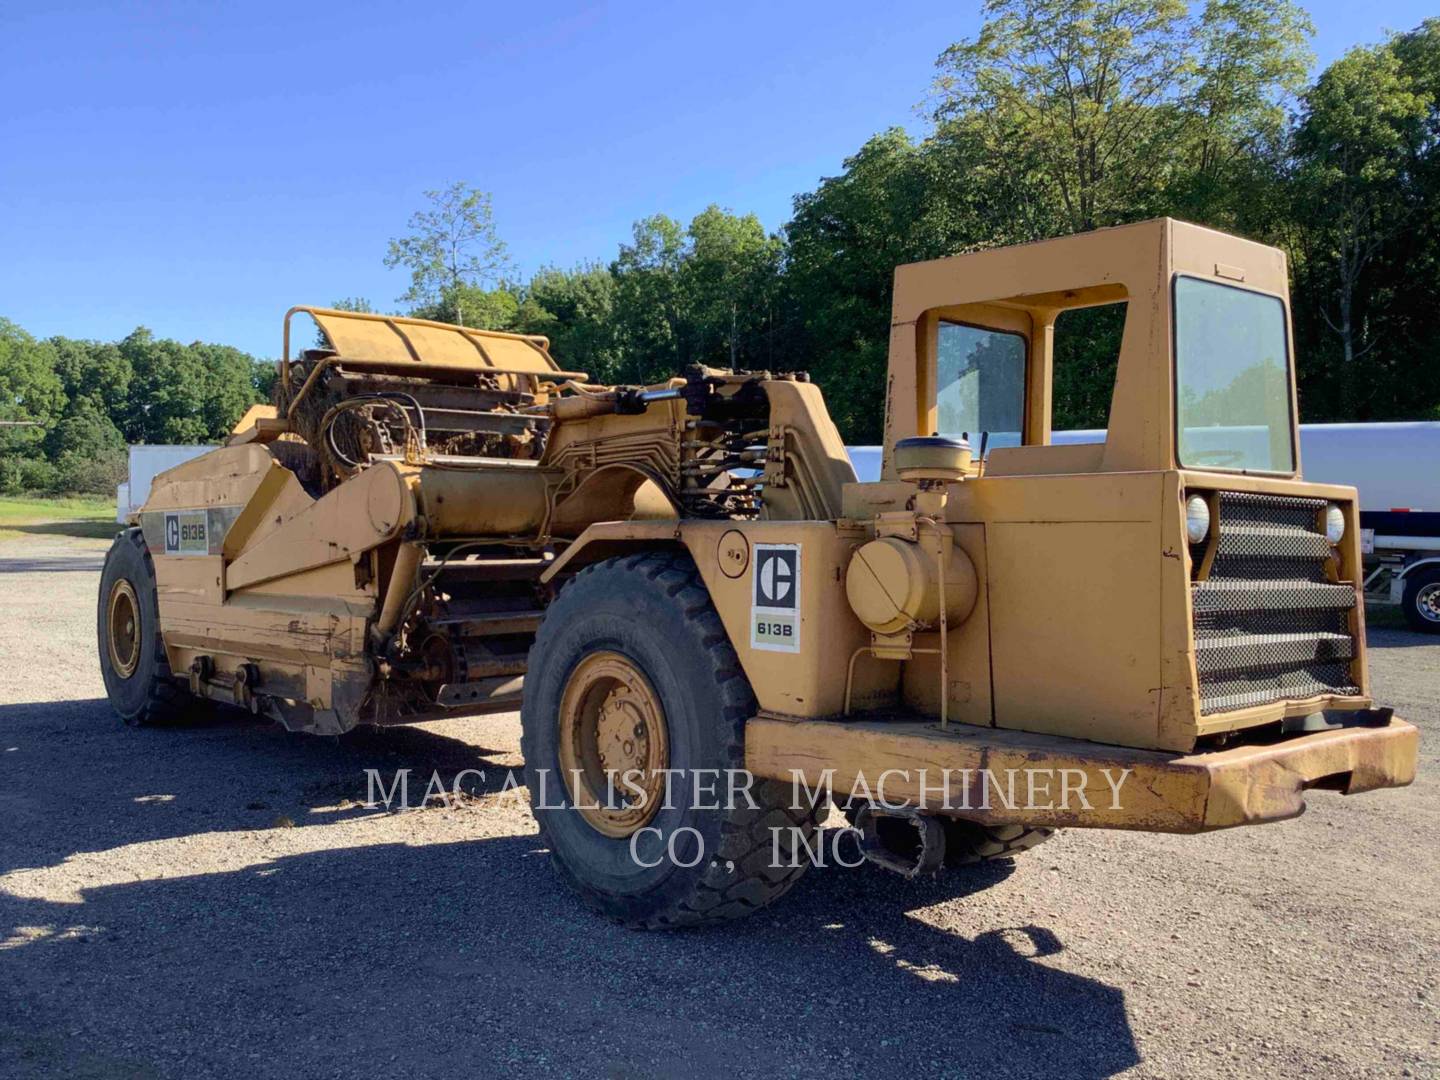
x=1269, y=624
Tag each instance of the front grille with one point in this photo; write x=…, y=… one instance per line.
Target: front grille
x=1269, y=624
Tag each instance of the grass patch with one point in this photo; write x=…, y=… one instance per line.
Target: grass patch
x=90, y=517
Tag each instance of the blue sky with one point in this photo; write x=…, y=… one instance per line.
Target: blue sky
x=199, y=167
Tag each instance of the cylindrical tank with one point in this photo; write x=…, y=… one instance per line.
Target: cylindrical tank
x=894, y=584
x=500, y=500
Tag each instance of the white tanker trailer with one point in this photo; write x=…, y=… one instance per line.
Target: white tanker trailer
x=1396, y=468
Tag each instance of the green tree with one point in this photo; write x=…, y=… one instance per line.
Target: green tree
x=649, y=306
x=895, y=202
x=229, y=389
x=1411, y=270
x=85, y=430
x=1087, y=354
x=575, y=309
x=1358, y=146
x=95, y=370
x=452, y=245
x=470, y=305
x=1250, y=59
x=263, y=374
x=1112, y=104
x=166, y=392
x=87, y=449
x=702, y=294
x=30, y=389
x=1083, y=88
x=185, y=393
x=1363, y=226
x=728, y=281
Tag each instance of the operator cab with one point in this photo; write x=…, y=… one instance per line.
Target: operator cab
x=1203, y=377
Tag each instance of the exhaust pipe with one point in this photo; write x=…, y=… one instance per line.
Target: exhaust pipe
x=906, y=842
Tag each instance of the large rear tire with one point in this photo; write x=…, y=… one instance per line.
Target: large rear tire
x=133, y=664
x=632, y=667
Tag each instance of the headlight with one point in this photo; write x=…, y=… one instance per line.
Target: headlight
x=1334, y=523
x=1197, y=518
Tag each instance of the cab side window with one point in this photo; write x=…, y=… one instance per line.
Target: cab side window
x=980, y=380
x=1087, y=357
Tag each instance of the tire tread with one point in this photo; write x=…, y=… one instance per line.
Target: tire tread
x=165, y=701
x=735, y=882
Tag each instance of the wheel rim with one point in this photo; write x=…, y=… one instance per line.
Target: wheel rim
x=1427, y=602
x=613, y=725
x=123, y=621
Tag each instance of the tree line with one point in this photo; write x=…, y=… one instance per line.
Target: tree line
x=1058, y=116
x=88, y=399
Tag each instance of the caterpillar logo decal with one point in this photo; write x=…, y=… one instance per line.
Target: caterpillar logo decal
x=186, y=534
x=775, y=601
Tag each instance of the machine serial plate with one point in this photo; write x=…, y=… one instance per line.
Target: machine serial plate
x=186, y=533
x=775, y=599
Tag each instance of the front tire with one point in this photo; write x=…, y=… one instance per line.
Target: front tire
x=631, y=667
x=1422, y=600
x=970, y=842
x=133, y=664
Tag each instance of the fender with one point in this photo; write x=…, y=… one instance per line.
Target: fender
x=1428, y=560
x=609, y=539
x=796, y=678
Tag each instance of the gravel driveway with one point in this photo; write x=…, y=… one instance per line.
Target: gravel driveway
x=213, y=901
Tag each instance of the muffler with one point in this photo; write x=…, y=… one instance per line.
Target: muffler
x=906, y=842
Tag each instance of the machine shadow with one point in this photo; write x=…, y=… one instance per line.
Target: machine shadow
x=52, y=564
x=79, y=528
x=1377, y=637
x=394, y=943
x=104, y=786
x=421, y=953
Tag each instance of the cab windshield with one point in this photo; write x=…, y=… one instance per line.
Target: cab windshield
x=1232, y=379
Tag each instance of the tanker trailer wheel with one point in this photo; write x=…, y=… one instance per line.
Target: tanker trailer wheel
x=632, y=672
x=132, y=658
x=1422, y=600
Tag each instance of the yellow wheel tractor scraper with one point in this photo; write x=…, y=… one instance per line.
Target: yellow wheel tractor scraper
x=1160, y=632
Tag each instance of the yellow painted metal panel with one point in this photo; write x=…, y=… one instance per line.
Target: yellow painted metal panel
x=516, y=354
x=399, y=340
x=1075, y=608
x=1158, y=792
x=352, y=518
x=436, y=345
x=1131, y=262
x=810, y=682
x=363, y=338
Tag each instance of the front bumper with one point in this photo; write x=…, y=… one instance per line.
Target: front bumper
x=1001, y=777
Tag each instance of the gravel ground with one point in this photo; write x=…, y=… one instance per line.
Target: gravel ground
x=213, y=901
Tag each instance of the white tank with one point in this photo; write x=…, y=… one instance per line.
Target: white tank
x=146, y=463
x=1395, y=466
